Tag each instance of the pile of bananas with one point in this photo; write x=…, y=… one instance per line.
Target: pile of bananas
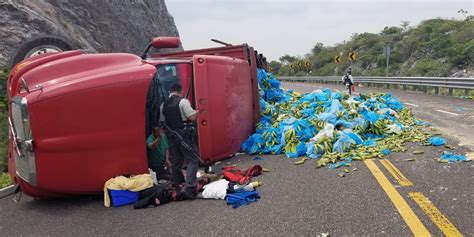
x=291, y=123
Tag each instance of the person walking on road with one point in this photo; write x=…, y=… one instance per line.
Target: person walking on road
x=179, y=116
x=348, y=81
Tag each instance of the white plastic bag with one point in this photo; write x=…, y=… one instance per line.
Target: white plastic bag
x=393, y=128
x=327, y=131
x=390, y=111
x=216, y=189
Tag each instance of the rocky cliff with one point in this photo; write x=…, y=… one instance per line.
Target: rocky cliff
x=95, y=25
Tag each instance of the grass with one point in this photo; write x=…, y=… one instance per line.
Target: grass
x=5, y=178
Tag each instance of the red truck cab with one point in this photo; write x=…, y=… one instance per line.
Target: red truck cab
x=79, y=119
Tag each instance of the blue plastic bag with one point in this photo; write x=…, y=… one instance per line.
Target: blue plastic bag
x=370, y=142
x=253, y=144
x=451, y=158
x=437, y=141
x=342, y=144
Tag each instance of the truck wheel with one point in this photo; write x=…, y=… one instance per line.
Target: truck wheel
x=40, y=45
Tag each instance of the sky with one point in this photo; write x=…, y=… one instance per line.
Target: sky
x=278, y=27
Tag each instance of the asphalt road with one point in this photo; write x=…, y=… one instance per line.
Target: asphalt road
x=295, y=200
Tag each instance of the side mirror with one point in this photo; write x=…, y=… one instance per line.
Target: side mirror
x=165, y=42
x=162, y=43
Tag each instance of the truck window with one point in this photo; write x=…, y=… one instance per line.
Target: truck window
x=166, y=75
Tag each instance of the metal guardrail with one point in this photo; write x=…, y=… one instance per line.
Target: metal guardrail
x=423, y=82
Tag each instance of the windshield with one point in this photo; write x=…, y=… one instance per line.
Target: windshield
x=166, y=75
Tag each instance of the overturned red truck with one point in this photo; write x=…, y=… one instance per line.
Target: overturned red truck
x=77, y=119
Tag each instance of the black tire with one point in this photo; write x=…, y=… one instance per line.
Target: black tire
x=47, y=41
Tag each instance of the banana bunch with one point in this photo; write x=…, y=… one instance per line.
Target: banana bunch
x=291, y=140
x=340, y=114
x=323, y=146
x=291, y=145
x=319, y=124
x=358, y=129
x=379, y=127
x=270, y=138
x=290, y=134
x=406, y=117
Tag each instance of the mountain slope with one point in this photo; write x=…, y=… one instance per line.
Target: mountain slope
x=436, y=47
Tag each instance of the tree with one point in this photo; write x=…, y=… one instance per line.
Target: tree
x=405, y=26
x=287, y=59
x=274, y=67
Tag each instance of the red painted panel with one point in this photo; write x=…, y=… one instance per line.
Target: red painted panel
x=223, y=94
x=88, y=122
x=92, y=134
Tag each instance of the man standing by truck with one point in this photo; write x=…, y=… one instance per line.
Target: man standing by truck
x=179, y=116
x=158, y=154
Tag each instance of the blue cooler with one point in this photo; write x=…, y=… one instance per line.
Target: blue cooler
x=122, y=197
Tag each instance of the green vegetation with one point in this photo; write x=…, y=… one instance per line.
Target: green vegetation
x=436, y=47
x=5, y=179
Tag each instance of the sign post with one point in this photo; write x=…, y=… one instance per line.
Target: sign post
x=386, y=52
x=352, y=57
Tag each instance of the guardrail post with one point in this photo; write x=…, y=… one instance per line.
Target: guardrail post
x=437, y=90
x=425, y=90
x=404, y=87
x=450, y=91
x=466, y=92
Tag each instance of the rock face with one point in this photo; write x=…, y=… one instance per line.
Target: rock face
x=95, y=25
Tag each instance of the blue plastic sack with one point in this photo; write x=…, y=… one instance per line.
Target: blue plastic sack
x=328, y=117
x=370, y=142
x=342, y=144
x=437, y=141
x=273, y=82
x=335, y=107
x=273, y=94
x=371, y=117
x=345, y=163
x=386, y=152
x=253, y=144
x=355, y=137
x=451, y=158
x=344, y=123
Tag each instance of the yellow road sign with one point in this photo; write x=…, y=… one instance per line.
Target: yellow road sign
x=307, y=64
x=337, y=59
x=352, y=56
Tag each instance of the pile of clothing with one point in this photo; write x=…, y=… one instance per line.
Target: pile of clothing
x=235, y=187
x=329, y=125
x=141, y=190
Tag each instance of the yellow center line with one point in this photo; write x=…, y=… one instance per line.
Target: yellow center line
x=405, y=211
x=401, y=179
x=435, y=215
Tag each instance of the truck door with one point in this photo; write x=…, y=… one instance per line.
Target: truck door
x=224, y=97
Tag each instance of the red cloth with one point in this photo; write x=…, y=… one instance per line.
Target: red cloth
x=237, y=175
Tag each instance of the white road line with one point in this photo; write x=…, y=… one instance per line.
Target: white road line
x=446, y=112
x=411, y=104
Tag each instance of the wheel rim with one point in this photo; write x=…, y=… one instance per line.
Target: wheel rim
x=42, y=49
